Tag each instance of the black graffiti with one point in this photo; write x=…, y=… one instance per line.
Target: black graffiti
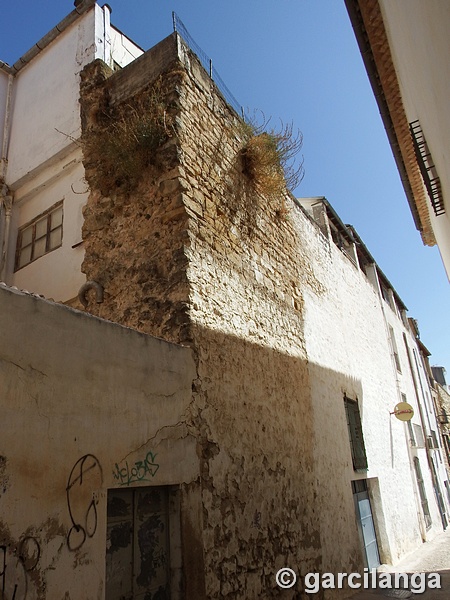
x=29, y=552
x=15, y=562
x=85, y=476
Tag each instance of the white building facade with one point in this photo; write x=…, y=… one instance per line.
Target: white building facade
x=43, y=187
x=379, y=367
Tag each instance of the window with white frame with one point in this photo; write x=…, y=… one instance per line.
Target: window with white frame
x=40, y=236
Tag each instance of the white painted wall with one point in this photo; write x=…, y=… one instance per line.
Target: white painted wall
x=420, y=47
x=48, y=88
x=123, y=50
x=349, y=353
x=413, y=383
x=44, y=161
x=73, y=385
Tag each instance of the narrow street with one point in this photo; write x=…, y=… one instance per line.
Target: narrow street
x=431, y=557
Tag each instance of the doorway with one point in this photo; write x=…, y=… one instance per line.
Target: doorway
x=365, y=522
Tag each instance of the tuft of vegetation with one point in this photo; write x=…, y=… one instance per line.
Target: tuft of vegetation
x=269, y=160
x=124, y=141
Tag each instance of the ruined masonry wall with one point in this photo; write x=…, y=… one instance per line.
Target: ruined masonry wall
x=134, y=241
x=194, y=255
x=248, y=268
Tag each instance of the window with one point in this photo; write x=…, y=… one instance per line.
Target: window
x=140, y=543
x=395, y=350
x=39, y=237
x=423, y=496
x=447, y=445
x=355, y=431
x=412, y=439
x=418, y=435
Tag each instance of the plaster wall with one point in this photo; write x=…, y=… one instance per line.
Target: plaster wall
x=346, y=335
x=123, y=50
x=82, y=398
x=418, y=38
x=35, y=141
x=411, y=382
x=57, y=274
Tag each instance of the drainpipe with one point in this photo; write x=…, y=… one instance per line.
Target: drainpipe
x=6, y=208
x=6, y=128
x=5, y=196
x=107, y=34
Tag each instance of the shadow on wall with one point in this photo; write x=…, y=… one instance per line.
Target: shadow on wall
x=272, y=490
x=275, y=486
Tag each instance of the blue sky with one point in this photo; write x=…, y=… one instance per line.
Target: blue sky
x=295, y=60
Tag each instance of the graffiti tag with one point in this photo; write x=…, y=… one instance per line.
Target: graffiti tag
x=86, y=476
x=141, y=470
x=20, y=559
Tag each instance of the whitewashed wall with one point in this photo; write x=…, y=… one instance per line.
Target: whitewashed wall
x=75, y=387
x=349, y=353
x=57, y=274
x=44, y=159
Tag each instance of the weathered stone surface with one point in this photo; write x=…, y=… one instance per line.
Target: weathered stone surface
x=195, y=256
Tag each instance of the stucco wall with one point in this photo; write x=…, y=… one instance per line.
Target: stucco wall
x=34, y=141
x=81, y=399
x=55, y=275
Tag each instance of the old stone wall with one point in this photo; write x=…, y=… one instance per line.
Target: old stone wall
x=235, y=265
x=247, y=267
x=134, y=227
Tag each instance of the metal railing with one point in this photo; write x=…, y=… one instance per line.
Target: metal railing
x=179, y=27
x=427, y=168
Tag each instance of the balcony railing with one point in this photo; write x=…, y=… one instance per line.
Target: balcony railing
x=427, y=168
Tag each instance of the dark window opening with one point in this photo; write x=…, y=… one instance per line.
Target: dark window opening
x=355, y=431
x=422, y=493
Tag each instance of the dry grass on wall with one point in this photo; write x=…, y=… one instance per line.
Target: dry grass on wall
x=268, y=157
x=125, y=140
